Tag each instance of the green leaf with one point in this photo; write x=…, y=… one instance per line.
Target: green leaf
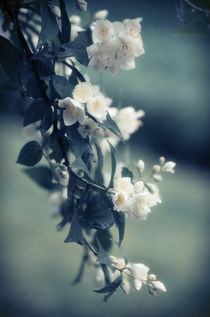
x=111, y=287
x=112, y=149
x=77, y=142
x=77, y=48
x=127, y=173
x=10, y=58
x=30, y=154
x=54, y=142
x=76, y=72
x=33, y=88
x=42, y=175
x=72, y=182
x=65, y=24
x=62, y=86
x=110, y=124
x=120, y=223
x=105, y=238
x=49, y=27
x=47, y=119
x=75, y=233
x=34, y=112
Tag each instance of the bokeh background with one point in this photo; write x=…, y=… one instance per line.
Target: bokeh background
x=171, y=84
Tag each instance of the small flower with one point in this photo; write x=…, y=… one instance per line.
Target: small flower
x=152, y=277
x=140, y=273
x=169, y=167
x=81, y=5
x=156, y=168
x=88, y=127
x=138, y=187
x=157, y=177
x=120, y=201
x=97, y=107
x=83, y=92
x=123, y=184
x=73, y=111
x=162, y=160
x=140, y=165
x=157, y=285
x=102, y=30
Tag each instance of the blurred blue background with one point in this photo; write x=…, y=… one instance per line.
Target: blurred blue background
x=171, y=84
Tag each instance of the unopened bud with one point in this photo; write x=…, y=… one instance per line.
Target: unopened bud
x=152, y=277
x=169, y=167
x=140, y=165
x=162, y=160
x=157, y=177
x=101, y=15
x=156, y=168
x=81, y=5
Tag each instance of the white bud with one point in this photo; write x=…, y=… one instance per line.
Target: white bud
x=152, y=277
x=162, y=160
x=157, y=177
x=140, y=165
x=157, y=285
x=81, y=5
x=75, y=19
x=101, y=15
x=156, y=168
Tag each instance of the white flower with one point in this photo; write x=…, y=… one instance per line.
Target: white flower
x=101, y=14
x=83, y=92
x=140, y=204
x=120, y=201
x=138, y=187
x=89, y=127
x=102, y=55
x=169, y=167
x=156, y=168
x=75, y=19
x=97, y=107
x=123, y=184
x=152, y=277
x=157, y=177
x=128, y=121
x=140, y=165
x=133, y=27
x=81, y=5
x=73, y=111
x=140, y=273
x=102, y=30
x=162, y=160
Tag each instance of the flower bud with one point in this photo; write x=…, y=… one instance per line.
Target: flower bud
x=162, y=160
x=81, y=5
x=140, y=165
x=169, y=167
x=157, y=177
x=157, y=285
x=152, y=277
x=101, y=15
x=156, y=168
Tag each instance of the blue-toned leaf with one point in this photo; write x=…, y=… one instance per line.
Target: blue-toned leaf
x=127, y=173
x=65, y=24
x=41, y=175
x=98, y=215
x=105, y=239
x=113, y=161
x=77, y=142
x=103, y=256
x=120, y=223
x=49, y=27
x=34, y=112
x=110, y=124
x=30, y=154
x=80, y=165
x=71, y=185
x=99, y=168
x=62, y=86
x=47, y=119
x=111, y=287
x=75, y=233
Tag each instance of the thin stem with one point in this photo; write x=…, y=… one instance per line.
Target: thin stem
x=90, y=247
x=194, y=6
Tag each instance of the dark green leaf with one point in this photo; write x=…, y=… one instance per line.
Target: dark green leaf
x=112, y=149
x=54, y=142
x=75, y=233
x=111, y=287
x=105, y=239
x=71, y=185
x=62, y=86
x=43, y=66
x=110, y=124
x=34, y=112
x=42, y=175
x=65, y=24
x=77, y=142
x=127, y=173
x=76, y=72
x=33, y=88
x=49, y=27
x=120, y=223
x=30, y=154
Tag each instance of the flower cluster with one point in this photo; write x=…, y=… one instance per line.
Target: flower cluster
x=137, y=272
x=134, y=200
x=116, y=45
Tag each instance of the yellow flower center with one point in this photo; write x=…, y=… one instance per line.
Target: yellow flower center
x=96, y=105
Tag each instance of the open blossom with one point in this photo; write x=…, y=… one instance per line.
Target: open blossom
x=89, y=127
x=169, y=167
x=128, y=121
x=73, y=111
x=116, y=45
x=97, y=107
x=83, y=92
